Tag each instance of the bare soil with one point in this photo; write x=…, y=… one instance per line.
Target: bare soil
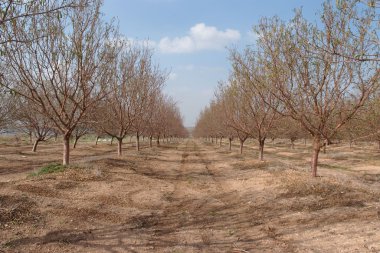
x=189, y=197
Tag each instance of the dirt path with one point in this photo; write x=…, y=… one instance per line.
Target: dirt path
x=186, y=197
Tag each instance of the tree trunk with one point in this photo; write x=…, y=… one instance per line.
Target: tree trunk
x=66, y=149
x=150, y=141
x=35, y=145
x=292, y=143
x=230, y=143
x=212, y=140
x=75, y=142
x=241, y=146
x=112, y=140
x=304, y=141
x=137, y=142
x=158, y=141
x=261, y=149
x=119, y=146
x=351, y=143
x=96, y=142
x=220, y=142
x=31, y=138
x=316, y=150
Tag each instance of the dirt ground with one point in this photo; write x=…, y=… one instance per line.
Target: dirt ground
x=190, y=196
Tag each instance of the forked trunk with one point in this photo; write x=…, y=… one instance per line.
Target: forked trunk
x=230, y=143
x=241, y=146
x=119, y=146
x=314, y=160
x=324, y=145
x=75, y=142
x=66, y=149
x=261, y=149
x=35, y=145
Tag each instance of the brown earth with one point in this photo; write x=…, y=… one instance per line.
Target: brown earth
x=189, y=197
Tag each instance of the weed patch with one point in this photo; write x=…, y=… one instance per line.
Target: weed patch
x=50, y=168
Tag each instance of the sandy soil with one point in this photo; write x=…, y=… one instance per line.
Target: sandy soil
x=189, y=197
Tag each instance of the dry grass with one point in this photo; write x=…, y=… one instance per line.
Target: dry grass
x=320, y=193
x=17, y=210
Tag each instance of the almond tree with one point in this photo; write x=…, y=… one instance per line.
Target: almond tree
x=311, y=82
x=152, y=117
x=64, y=72
x=260, y=105
x=232, y=102
x=371, y=120
x=80, y=130
x=169, y=120
x=290, y=129
x=7, y=109
x=29, y=120
x=134, y=78
x=361, y=14
x=150, y=80
x=213, y=122
x=13, y=13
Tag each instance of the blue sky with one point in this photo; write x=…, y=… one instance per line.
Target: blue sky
x=190, y=38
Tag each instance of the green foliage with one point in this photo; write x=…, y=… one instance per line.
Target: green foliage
x=50, y=168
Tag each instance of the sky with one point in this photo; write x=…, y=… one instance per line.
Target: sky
x=191, y=38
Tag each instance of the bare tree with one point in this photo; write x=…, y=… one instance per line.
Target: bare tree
x=371, y=120
x=29, y=120
x=80, y=130
x=312, y=84
x=289, y=129
x=360, y=15
x=134, y=80
x=150, y=80
x=16, y=14
x=233, y=104
x=63, y=73
x=261, y=107
x=7, y=109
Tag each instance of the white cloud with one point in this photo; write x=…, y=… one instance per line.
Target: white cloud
x=200, y=37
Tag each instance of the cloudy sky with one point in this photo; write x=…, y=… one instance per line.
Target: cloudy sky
x=191, y=38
